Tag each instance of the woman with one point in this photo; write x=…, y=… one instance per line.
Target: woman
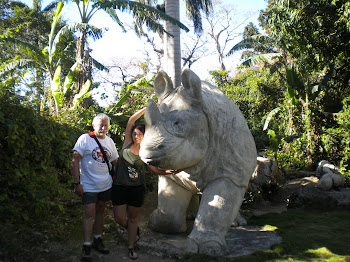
x=128, y=187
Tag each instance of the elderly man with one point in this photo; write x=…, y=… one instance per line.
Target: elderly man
x=92, y=180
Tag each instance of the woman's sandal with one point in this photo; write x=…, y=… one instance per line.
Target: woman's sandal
x=132, y=254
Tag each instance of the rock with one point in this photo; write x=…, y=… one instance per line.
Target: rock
x=265, y=176
x=240, y=241
x=326, y=167
x=326, y=182
x=310, y=196
x=239, y=221
x=338, y=180
x=330, y=176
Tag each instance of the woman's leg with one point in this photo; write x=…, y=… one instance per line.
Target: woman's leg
x=133, y=213
x=120, y=215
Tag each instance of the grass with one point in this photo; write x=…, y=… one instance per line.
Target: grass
x=35, y=238
x=305, y=230
x=308, y=235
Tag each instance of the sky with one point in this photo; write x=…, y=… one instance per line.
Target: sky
x=121, y=45
x=127, y=47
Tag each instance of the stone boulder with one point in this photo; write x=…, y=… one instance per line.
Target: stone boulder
x=266, y=176
x=309, y=195
x=330, y=176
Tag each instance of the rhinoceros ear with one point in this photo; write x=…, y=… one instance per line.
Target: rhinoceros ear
x=163, y=85
x=192, y=84
x=152, y=114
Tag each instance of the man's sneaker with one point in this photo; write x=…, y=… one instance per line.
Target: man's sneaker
x=99, y=246
x=86, y=256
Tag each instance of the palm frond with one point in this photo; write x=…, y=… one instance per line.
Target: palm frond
x=93, y=31
x=246, y=43
x=142, y=10
x=261, y=43
x=19, y=4
x=51, y=6
x=16, y=64
x=20, y=44
x=115, y=18
x=262, y=38
x=120, y=102
x=66, y=30
x=31, y=51
x=193, y=9
x=99, y=66
x=260, y=58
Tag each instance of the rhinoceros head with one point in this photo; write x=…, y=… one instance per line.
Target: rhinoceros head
x=176, y=134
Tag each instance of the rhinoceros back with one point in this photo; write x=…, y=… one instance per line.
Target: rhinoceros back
x=232, y=152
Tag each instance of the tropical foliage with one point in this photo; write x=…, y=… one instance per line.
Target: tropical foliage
x=31, y=58
x=307, y=44
x=293, y=88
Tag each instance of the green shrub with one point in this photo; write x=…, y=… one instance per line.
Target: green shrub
x=336, y=141
x=35, y=153
x=35, y=156
x=256, y=93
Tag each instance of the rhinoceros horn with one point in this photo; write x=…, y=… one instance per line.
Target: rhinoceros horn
x=152, y=114
x=163, y=85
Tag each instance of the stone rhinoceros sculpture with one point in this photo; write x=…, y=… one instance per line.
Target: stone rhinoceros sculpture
x=198, y=130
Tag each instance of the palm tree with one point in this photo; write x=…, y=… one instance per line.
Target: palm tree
x=25, y=50
x=46, y=61
x=142, y=11
x=172, y=45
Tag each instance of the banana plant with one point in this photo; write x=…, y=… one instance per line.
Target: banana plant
x=59, y=89
x=45, y=59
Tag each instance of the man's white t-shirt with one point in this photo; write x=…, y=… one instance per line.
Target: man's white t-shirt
x=94, y=174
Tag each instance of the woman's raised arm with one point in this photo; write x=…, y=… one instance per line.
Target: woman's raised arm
x=129, y=126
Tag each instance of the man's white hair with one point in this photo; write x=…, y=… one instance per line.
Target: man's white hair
x=101, y=116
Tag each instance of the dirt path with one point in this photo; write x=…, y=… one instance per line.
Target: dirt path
x=114, y=239
x=153, y=246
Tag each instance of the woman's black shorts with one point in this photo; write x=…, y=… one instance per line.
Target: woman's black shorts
x=129, y=195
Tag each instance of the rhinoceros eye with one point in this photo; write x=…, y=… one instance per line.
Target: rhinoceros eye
x=178, y=127
x=176, y=124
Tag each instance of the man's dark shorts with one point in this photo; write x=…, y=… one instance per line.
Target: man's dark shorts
x=94, y=197
x=128, y=195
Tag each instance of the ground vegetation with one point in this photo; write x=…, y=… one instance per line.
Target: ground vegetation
x=294, y=94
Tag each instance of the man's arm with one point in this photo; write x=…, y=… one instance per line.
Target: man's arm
x=114, y=162
x=78, y=189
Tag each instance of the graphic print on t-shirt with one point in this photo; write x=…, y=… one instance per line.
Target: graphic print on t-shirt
x=132, y=173
x=98, y=156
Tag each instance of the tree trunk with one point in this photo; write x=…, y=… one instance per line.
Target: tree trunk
x=308, y=126
x=80, y=58
x=172, y=44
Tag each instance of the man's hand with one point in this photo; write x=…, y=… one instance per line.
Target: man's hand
x=78, y=189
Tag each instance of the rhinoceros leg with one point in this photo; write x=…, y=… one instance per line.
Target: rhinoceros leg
x=219, y=205
x=173, y=200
